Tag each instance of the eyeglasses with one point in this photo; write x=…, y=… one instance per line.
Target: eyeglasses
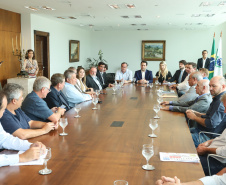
x=48, y=89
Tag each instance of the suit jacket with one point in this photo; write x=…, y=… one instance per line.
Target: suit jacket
x=52, y=99
x=200, y=105
x=177, y=75
x=200, y=63
x=105, y=84
x=90, y=83
x=148, y=75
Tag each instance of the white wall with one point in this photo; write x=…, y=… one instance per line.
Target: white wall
x=60, y=34
x=120, y=46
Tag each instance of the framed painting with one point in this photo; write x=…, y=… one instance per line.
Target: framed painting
x=153, y=50
x=74, y=50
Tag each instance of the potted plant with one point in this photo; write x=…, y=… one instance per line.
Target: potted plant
x=95, y=62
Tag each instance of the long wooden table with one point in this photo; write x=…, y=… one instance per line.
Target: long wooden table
x=94, y=153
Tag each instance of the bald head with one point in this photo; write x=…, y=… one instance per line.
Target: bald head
x=217, y=85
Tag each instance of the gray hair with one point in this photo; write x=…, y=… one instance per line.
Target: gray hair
x=12, y=91
x=197, y=75
x=205, y=83
x=68, y=74
x=41, y=82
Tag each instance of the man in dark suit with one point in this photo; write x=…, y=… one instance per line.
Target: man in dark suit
x=143, y=75
x=203, y=62
x=180, y=74
x=55, y=97
x=92, y=81
x=103, y=76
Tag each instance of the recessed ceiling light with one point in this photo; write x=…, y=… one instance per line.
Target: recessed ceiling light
x=113, y=6
x=130, y=5
x=47, y=8
x=205, y=4
x=156, y=5
x=72, y=17
x=222, y=3
x=60, y=17
x=143, y=24
x=32, y=8
x=196, y=15
x=137, y=16
x=188, y=24
x=199, y=23
x=133, y=24
x=210, y=15
x=125, y=16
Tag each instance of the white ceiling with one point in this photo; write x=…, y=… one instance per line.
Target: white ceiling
x=156, y=14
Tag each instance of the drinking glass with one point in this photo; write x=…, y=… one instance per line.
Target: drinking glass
x=148, y=152
x=151, y=85
x=156, y=108
x=122, y=83
x=156, y=82
x=63, y=124
x=46, y=171
x=77, y=109
x=134, y=80
x=95, y=101
x=159, y=93
x=153, y=125
x=97, y=93
x=120, y=182
x=114, y=88
x=160, y=100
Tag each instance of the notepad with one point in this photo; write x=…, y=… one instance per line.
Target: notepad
x=179, y=157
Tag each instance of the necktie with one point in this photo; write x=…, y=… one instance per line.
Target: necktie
x=179, y=79
x=63, y=101
x=102, y=78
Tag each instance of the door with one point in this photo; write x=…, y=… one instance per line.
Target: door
x=42, y=52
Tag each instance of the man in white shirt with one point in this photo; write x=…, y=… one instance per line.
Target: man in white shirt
x=7, y=141
x=124, y=74
x=203, y=62
x=71, y=92
x=184, y=86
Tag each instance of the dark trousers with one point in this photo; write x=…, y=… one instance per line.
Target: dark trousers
x=215, y=165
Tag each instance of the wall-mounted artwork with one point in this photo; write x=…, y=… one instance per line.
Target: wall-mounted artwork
x=153, y=50
x=74, y=50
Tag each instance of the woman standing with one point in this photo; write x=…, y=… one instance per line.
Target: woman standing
x=30, y=64
x=163, y=74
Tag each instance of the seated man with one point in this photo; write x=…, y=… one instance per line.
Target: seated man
x=7, y=141
x=214, y=120
x=92, y=81
x=71, y=92
x=205, y=73
x=183, y=86
x=124, y=74
x=15, y=121
x=219, y=179
x=36, y=108
x=180, y=74
x=201, y=103
x=103, y=76
x=143, y=75
x=55, y=98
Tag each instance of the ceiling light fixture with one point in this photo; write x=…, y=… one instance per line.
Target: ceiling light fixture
x=210, y=15
x=130, y=5
x=60, y=17
x=222, y=3
x=113, y=6
x=72, y=18
x=31, y=8
x=196, y=15
x=47, y=8
x=138, y=16
x=158, y=16
x=125, y=16
x=205, y=4
x=133, y=24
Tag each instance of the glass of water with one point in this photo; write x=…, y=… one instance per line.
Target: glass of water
x=148, y=152
x=156, y=108
x=134, y=80
x=160, y=100
x=151, y=85
x=95, y=101
x=120, y=182
x=63, y=124
x=114, y=88
x=97, y=93
x=77, y=109
x=153, y=125
x=46, y=171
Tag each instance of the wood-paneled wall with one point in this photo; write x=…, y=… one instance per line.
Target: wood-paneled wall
x=10, y=27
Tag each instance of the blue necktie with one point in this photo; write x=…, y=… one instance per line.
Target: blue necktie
x=179, y=80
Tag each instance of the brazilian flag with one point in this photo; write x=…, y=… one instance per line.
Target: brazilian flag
x=212, y=59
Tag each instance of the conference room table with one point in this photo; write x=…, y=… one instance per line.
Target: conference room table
x=97, y=153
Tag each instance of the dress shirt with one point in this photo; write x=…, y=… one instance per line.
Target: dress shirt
x=181, y=74
x=203, y=62
x=73, y=95
x=97, y=82
x=125, y=76
x=214, y=180
x=143, y=74
x=184, y=86
x=10, y=142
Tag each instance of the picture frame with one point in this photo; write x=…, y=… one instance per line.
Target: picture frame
x=74, y=50
x=153, y=50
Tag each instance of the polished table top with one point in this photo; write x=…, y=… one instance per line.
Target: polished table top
x=93, y=152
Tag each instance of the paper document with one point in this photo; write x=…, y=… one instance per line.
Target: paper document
x=169, y=84
x=40, y=161
x=179, y=157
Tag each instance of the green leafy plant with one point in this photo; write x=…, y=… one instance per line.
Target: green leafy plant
x=95, y=62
